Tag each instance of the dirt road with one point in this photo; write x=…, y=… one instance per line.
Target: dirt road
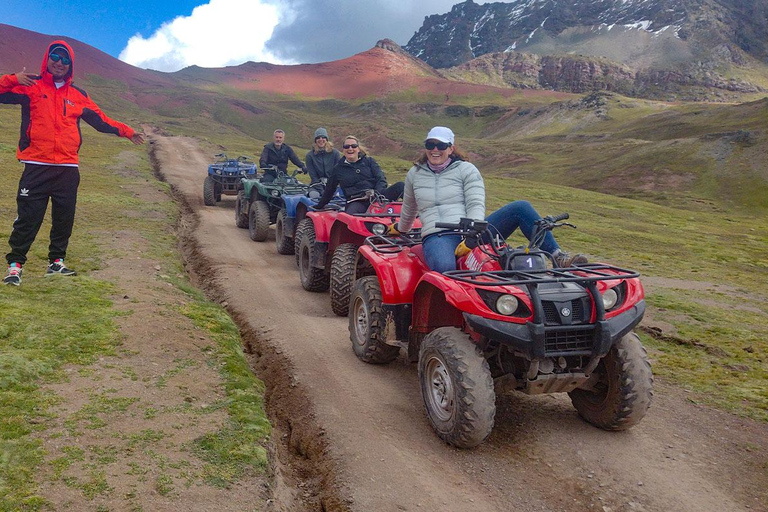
x=355, y=435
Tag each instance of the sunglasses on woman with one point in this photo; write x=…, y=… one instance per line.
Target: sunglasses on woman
x=442, y=146
x=347, y=146
x=55, y=57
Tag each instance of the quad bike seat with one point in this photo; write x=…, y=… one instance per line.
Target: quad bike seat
x=418, y=251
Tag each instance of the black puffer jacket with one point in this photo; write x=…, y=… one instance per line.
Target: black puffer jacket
x=354, y=179
x=279, y=157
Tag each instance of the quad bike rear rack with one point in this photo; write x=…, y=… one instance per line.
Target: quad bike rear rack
x=389, y=244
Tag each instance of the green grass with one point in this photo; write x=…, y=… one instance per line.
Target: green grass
x=678, y=191
x=49, y=325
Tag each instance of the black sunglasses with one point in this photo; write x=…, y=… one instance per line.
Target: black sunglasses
x=55, y=57
x=442, y=146
x=347, y=146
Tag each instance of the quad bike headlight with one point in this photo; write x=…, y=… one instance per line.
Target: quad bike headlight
x=379, y=229
x=507, y=304
x=275, y=193
x=218, y=171
x=610, y=298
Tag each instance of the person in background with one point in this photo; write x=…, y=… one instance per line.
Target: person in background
x=442, y=186
x=320, y=160
x=278, y=153
x=51, y=110
x=357, y=173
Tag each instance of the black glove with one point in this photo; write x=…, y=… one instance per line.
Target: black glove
x=304, y=170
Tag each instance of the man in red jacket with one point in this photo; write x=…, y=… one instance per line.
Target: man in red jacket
x=51, y=110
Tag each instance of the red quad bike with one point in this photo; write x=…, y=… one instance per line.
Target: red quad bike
x=508, y=318
x=327, y=243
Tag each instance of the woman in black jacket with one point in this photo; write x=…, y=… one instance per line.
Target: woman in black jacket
x=356, y=173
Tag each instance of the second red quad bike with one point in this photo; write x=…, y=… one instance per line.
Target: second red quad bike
x=327, y=243
x=507, y=319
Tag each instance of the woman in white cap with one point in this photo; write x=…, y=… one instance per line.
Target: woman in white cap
x=442, y=186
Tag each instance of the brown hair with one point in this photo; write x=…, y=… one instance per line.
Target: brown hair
x=363, y=149
x=457, y=154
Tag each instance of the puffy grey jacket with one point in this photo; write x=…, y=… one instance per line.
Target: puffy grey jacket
x=448, y=196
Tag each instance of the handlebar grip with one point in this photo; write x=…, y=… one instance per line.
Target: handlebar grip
x=562, y=216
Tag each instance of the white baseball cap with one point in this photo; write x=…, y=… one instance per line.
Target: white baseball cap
x=442, y=134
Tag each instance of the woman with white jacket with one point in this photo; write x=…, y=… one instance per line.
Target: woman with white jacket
x=443, y=187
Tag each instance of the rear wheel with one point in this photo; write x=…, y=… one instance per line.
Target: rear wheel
x=368, y=323
x=282, y=240
x=258, y=221
x=342, y=277
x=241, y=219
x=313, y=279
x=457, y=388
x=209, y=192
x=623, y=392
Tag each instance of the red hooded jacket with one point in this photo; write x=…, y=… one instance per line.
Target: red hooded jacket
x=50, y=117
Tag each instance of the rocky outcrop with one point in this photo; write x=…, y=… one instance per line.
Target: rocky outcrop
x=673, y=49
x=579, y=74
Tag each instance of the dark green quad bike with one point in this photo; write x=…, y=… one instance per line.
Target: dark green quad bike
x=260, y=204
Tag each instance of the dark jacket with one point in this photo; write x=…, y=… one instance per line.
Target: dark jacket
x=320, y=165
x=354, y=179
x=50, y=117
x=279, y=157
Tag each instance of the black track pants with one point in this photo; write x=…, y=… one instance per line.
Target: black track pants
x=37, y=184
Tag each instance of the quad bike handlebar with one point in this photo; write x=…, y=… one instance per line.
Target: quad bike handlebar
x=481, y=234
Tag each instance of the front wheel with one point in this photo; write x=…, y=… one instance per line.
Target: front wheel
x=300, y=227
x=209, y=191
x=342, y=276
x=313, y=279
x=368, y=323
x=622, y=394
x=258, y=221
x=241, y=219
x=456, y=387
x=283, y=241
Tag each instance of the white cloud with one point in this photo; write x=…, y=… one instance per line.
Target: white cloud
x=219, y=33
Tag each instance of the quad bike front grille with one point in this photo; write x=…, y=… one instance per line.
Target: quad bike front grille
x=565, y=313
x=564, y=342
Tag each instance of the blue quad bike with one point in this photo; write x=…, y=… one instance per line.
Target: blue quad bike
x=224, y=177
x=294, y=210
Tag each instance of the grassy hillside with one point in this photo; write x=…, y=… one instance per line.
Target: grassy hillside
x=678, y=191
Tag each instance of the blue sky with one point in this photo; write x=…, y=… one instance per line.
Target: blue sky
x=171, y=34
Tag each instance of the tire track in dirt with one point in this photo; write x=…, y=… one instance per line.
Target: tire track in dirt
x=355, y=436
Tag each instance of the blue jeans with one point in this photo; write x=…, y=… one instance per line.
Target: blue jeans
x=439, y=250
x=519, y=214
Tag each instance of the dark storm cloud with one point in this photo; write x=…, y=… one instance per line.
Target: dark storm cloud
x=327, y=30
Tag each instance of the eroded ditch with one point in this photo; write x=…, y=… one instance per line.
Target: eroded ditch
x=303, y=474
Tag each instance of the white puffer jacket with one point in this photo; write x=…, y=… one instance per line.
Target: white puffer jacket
x=448, y=196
